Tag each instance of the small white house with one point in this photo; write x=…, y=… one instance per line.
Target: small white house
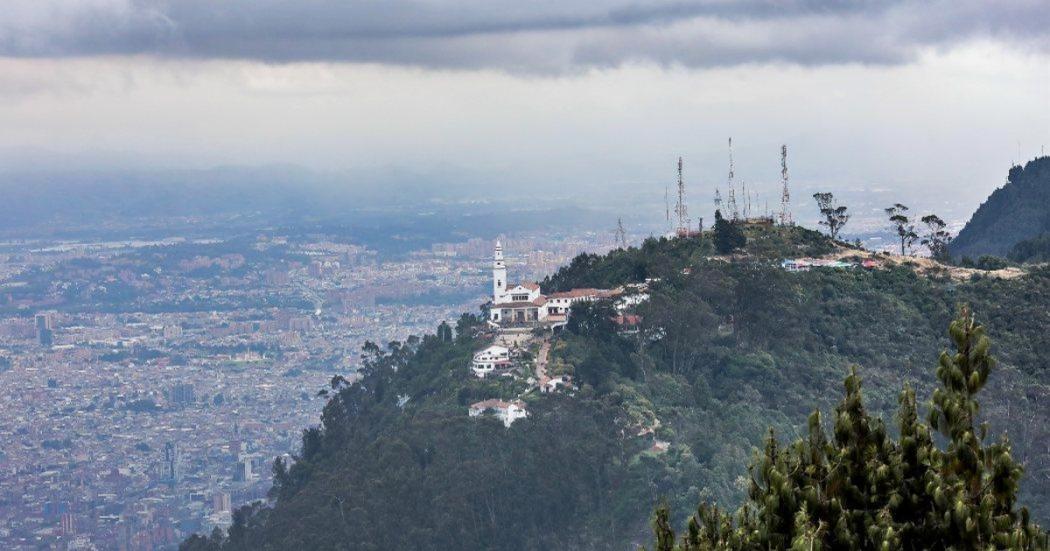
x=507, y=412
x=551, y=384
x=490, y=359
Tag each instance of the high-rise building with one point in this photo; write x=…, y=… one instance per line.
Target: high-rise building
x=220, y=502
x=45, y=328
x=183, y=393
x=68, y=524
x=171, y=463
x=243, y=471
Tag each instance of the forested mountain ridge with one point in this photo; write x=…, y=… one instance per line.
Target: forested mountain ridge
x=727, y=347
x=1018, y=211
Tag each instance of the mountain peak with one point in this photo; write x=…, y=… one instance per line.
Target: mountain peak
x=1018, y=211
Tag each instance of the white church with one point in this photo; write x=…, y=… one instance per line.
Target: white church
x=524, y=304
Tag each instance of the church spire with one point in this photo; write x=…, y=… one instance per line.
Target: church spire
x=499, y=273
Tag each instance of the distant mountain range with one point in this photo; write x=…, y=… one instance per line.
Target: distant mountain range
x=1016, y=213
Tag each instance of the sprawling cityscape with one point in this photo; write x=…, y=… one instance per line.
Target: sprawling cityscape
x=150, y=384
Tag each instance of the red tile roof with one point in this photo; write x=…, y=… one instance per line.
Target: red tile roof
x=579, y=293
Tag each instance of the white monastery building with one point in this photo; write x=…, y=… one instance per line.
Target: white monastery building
x=507, y=412
x=525, y=303
x=490, y=359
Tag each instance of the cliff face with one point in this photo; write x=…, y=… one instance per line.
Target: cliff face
x=1018, y=211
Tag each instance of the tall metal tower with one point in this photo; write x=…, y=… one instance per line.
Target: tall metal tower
x=680, y=208
x=747, y=200
x=667, y=209
x=718, y=199
x=621, y=234
x=733, y=213
x=785, y=195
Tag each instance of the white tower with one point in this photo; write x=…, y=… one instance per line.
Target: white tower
x=499, y=274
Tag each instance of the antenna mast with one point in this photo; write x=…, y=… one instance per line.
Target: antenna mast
x=621, y=233
x=731, y=207
x=747, y=200
x=785, y=195
x=667, y=209
x=680, y=209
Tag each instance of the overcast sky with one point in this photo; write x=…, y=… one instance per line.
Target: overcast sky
x=903, y=94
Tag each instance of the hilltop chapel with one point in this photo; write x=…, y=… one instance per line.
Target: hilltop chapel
x=525, y=304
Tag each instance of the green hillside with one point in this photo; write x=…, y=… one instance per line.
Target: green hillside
x=1018, y=211
x=671, y=413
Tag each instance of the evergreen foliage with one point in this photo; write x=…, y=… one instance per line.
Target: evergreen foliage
x=725, y=349
x=728, y=236
x=1032, y=250
x=862, y=489
x=1018, y=211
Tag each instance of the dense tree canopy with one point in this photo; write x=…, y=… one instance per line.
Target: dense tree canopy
x=726, y=348
x=1018, y=211
x=863, y=489
x=1032, y=250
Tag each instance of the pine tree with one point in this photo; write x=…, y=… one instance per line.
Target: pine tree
x=728, y=236
x=444, y=332
x=863, y=490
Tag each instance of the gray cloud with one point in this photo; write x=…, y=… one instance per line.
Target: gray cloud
x=540, y=35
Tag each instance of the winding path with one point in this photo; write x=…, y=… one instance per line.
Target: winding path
x=541, y=361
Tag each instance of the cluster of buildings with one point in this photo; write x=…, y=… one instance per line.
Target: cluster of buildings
x=807, y=264
x=149, y=385
x=521, y=310
x=525, y=305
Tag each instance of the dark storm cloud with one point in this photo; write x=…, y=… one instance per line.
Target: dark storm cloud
x=541, y=35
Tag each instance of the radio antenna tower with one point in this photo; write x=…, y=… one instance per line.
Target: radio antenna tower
x=785, y=195
x=718, y=199
x=747, y=200
x=734, y=214
x=679, y=208
x=621, y=234
x=667, y=209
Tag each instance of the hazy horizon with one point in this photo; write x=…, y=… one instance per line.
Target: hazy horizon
x=896, y=95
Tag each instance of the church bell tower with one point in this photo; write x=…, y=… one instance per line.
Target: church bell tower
x=499, y=274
